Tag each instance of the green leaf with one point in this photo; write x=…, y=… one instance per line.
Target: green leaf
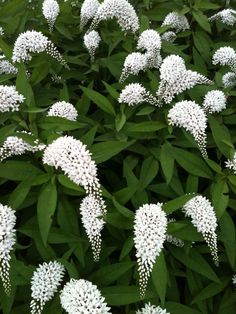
x=177, y=308
x=147, y=126
x=123, y=295
x=58, y=124
x=192, y=163
x=228, y=236
x=160, y=277
x=104, y=151
x=202, y=20
x=108, y=274
x=220, y=197
x=66, y=182
x=127, y=247
x=101, y=101
x=177, y=203
x=23, y=86
x=46, y=206
x=167, y=163
x=18, y=170
x=19, y=194
x=149, y=171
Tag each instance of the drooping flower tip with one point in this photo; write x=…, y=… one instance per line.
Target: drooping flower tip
x=63, y=109
x=51, y=11
x=72, y=156
x=152, y=309
x=7, y=241
x=44, y=284
x=92, y=211
x=172, y=239
x=203, y=217
x=88, y=11
x=226, y=16
x=121, y=10
x=191, y=117
x=150, y=227
x=91, y=42
x=214, y=101
x=176, y=21
x=135, y=94
x=81, y=296
x=10, y=99
x=6, y=67
x=134, y=63
x=231, y=164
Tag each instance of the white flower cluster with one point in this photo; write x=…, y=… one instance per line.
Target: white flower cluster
x=226, y=16
x=91, y=42
x=150, y=42
x=190, y=116
x=34, y=42
x=135, y=94
x=226, y=56
x=203, y=217
x=231, y=164
x=88, y=11
x=234, y=279
x=169, y=36
x=1, y=31
x=176, y=21
x=7, y=241
x=171, y=239
x=175, y=78
x=14, y=145
x=10, y=99
x=229, y=79
x=121, y=10
x=150, y=227
x=63, y=109
x=151, y=309
x=214, y=101
x=92, y=211
x=44, y=284
x=81, y=296
x=6, y=67
x=72, y=156
x=51, y=11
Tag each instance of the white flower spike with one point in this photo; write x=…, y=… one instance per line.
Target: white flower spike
x=226, y=16
x=51, y=11
x=44, y=284
x=203, y=217
x=92, y=212
x=150, y=227
x=229, y=79
x=169, y=36
x=214, y=101
x=81, y=296
x=6, y=67
x=191, y=117
x=7, y=241
x=63, y=109
x=121, y=10
x=176, y=21
x=134, y=63
x=10, y=99
x=91, y=42
x=135, y=94
x=88, y=11
x=234, y=279
x=231, y=164
x=34, y=42
x=151, y=309
x=175, y=78
x=225, y=56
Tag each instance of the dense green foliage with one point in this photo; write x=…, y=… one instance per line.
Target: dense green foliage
x=140, y=160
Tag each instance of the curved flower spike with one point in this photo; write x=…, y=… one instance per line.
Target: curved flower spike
x=51, y=11
x=226, y=16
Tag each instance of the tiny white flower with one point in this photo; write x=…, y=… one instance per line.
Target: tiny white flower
x=81, y=296
x=63, y=109
x=214, y=101
x=91, y=42
x=51, y=11
x=231, y=164
x=44, y=284
x=190, y=116
x=152, y=309
x=150, y=227
x=203, y=217
x=121, y=10
x=10, y=99
x=226, y=16
x=135, y=94
x=92, y=211
x=7, y=241
x=177, y=21
x=172, y=239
